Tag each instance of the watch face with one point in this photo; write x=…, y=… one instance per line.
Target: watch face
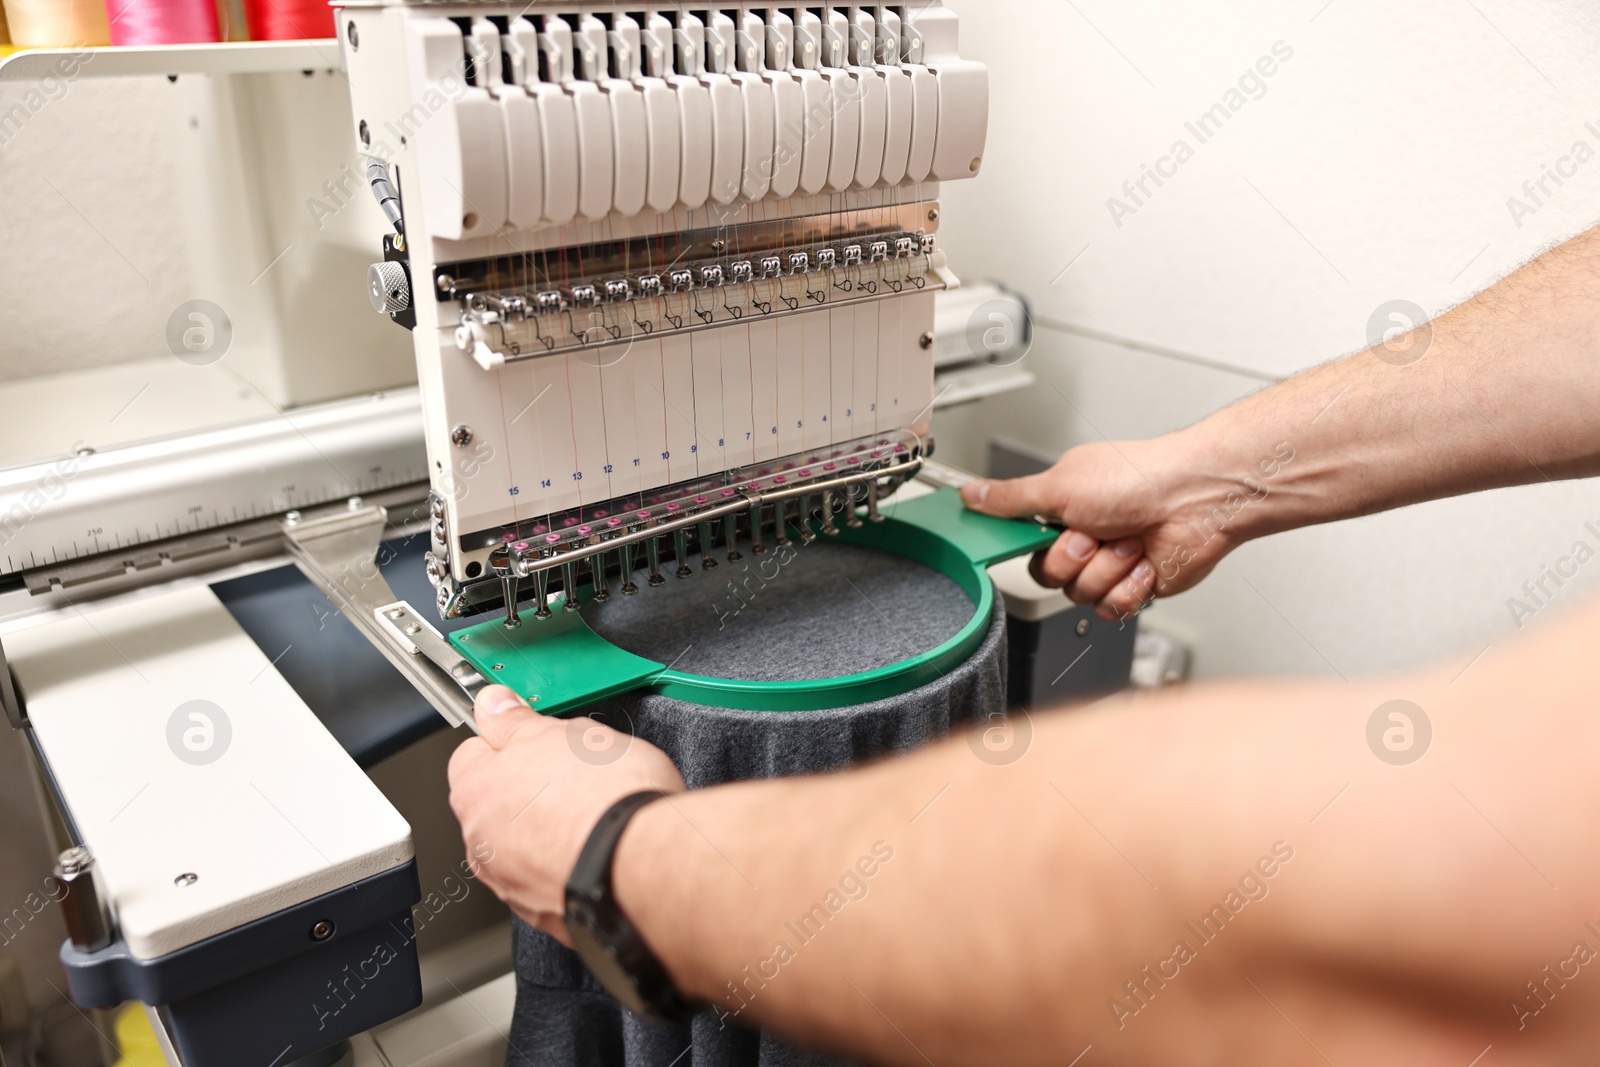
x=600, y=960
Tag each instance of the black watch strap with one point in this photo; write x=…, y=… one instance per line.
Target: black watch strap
x=607, y=942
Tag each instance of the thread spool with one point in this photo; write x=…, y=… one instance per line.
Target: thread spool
x=148, y=22
x=233, y=24
x=57, y=23
x=288, y=20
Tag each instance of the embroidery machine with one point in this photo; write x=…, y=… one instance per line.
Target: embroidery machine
x=670, y=275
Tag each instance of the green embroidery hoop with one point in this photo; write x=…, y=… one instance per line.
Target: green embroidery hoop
x=560, y=665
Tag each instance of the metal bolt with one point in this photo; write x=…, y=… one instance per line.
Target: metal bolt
x=395, y=613
x=85, y=452
x=292, y=517
x=445, y=283
x=75, y=860
x=355, y=503
x=933, y=214
x=186, y=879
x=1083, y=627
x=412, y=628
x=718, y=245
x=499, y=667
x=322, y=931
x=461, y=436
x=926, y=340
x=88, y=923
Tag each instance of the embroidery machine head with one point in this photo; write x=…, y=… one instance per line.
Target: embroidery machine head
x=669, y=271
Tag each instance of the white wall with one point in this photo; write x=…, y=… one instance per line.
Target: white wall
x=1376, y=165
x=92, y=256
x=122, y=198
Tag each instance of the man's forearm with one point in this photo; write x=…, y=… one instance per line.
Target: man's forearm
x=940, y=908
x=1008, y=908
x=875, y=911
x=1507, y=392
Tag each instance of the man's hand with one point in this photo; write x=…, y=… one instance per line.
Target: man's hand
x=528, y=791
x=1141, y=521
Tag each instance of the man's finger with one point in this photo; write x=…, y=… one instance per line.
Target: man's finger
x=1014, y=498
x=500, y=712
x=1061, y=563
x=1130, y=595
x=1109, y=566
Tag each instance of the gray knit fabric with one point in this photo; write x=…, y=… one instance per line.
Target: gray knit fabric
x=814, y=611
x=807, y=611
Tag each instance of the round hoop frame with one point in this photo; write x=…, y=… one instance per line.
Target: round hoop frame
x=561, y=665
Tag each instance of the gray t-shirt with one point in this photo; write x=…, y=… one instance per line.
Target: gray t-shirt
x=810, y=611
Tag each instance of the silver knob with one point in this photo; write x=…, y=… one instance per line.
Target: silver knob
x=388, y=287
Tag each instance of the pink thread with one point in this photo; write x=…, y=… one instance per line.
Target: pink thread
x=146, y=22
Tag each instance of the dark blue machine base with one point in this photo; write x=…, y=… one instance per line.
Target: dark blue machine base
x=266, y=993
x=1052, y=663
x=365, y=703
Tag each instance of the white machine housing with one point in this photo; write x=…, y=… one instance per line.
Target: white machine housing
x=657, y=252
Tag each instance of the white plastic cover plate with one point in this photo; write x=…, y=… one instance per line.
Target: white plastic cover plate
x=181, y=751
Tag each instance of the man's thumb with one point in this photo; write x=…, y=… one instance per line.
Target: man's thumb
x=1013, y=497
x=499, y=711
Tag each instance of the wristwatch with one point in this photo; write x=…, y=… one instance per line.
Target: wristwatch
x=607, y=942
